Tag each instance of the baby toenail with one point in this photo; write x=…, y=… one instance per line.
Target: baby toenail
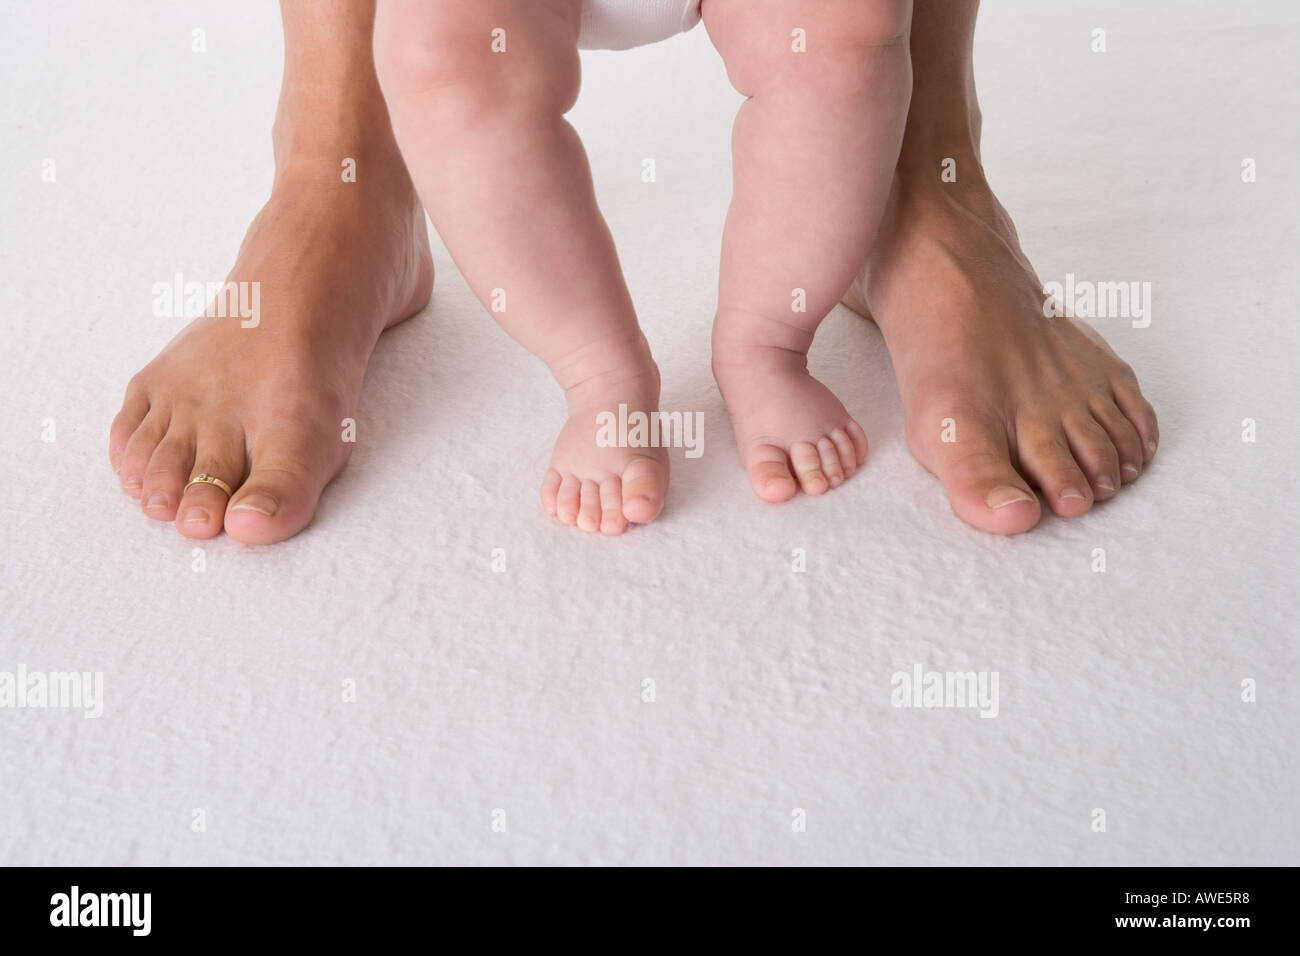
x=1130, y=472
x=262, y=504
x=1106, y=483
x=156, y=500
x=131, y=484
x=1001, y=497
x=195, y=515
x=1072, y=493
x=1151, y=446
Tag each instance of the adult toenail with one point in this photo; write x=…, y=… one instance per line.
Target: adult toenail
x=1006, y=495
x=1072, y=493
x=1130, y=472
x=195, y=516
x=1106, y=483
x=156, y=500
x=1151, y=446
x=262, y=504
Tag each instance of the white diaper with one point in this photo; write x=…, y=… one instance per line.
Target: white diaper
x=623, y=24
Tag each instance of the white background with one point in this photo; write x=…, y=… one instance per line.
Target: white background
x=522, y=690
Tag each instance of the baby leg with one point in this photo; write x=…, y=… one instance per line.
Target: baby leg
x=814, y=148
x=477, y=93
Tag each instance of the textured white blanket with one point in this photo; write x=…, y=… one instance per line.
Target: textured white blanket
x=434, y=672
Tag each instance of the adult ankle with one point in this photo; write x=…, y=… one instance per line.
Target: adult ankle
x=319, y=130
x=942, y=147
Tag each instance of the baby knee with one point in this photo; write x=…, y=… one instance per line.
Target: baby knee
x=463, y=76
x=855, y=38
x=835, y=48
x=876, y=24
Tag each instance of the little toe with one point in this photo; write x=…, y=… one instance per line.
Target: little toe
x=1095, y=453
x=848, y=451
x=566, y=499
x=134, y=409
x=859, y=439
x=612, y=519
x=589, y=506
x=807, y=462
x=1045, y=458
x=644, y=482
x=1129, y=399
x=551, y=490
x=831, y=466
x=166, y=474
x=769, y=474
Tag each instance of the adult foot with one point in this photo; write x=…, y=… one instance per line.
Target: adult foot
x=262, y=407
x=998, y=399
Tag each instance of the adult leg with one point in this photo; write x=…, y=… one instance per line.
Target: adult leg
x=1032, y=402
x=335, y=263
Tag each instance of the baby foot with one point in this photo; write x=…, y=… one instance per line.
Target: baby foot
x=603, y=488
x=791, y=431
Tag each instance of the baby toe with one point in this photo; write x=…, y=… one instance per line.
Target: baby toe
x=830, y=458
x=847, y=450
x=769, y=474
x=644, y=482
x=589, y=506
x=612, y=519
x=859, y=439
x=551, y=490
x=807, y=462
x=567, y=498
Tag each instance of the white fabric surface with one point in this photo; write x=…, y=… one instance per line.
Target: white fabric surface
x=521, y=690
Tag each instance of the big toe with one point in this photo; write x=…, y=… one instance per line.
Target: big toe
x=283, y=487
x=274, y=504
x=769, y=473
x=988, y=493
x=985, y=490
x=645, y=481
